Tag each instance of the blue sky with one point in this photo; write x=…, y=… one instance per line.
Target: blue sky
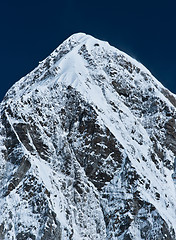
x=31, y=30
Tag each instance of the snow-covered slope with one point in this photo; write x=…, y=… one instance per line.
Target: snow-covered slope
x=87, y=146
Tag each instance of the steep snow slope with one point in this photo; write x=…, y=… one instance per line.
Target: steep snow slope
x=87, y=147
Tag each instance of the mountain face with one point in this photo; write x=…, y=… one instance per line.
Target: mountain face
x=87, y=147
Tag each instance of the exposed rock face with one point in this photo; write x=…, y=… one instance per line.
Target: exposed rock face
x=87, y=146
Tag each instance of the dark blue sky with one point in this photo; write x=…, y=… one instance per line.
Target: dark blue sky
x=31, y=30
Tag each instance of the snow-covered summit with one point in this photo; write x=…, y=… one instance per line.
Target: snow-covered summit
x=87, y=146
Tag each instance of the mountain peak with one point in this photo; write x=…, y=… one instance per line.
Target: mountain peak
x=87, y=146
x=79, y=36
